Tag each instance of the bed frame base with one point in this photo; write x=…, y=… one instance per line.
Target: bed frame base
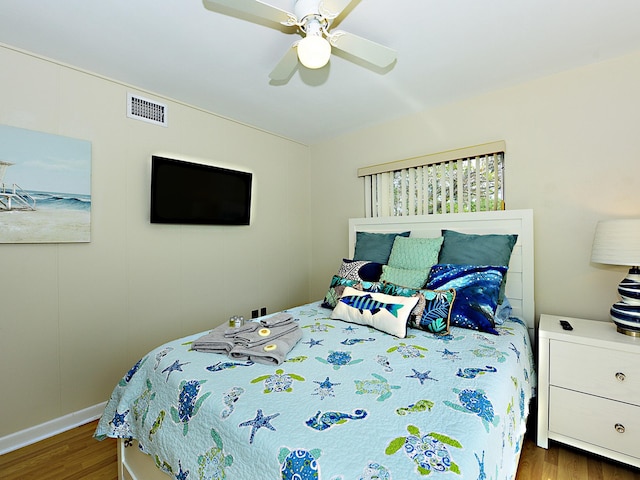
x=136, y=465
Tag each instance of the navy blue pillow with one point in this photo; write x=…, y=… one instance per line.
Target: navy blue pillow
x=477, y=289
x=360, y=270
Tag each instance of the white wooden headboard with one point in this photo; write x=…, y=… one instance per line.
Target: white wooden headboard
x=520, y=277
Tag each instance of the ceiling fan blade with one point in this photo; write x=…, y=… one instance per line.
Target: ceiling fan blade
x=255, y=8
x=286, y=66
x=330, y=9
x=367, y=50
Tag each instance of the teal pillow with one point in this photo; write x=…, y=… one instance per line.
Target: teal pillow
x=404, y=276
x=472, y=249
x=415, y=253
x=375, y=247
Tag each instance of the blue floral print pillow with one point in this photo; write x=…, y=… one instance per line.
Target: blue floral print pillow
x=433, y=310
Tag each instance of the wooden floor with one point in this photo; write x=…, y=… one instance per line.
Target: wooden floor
x=71, y=455
x=76, y=455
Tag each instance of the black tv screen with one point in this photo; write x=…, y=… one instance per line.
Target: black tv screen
x=193, y=193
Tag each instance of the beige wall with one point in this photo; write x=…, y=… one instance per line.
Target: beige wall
x=75, y=317
x=572, y=156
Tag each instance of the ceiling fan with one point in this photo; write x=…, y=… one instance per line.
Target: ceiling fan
x=312, y=19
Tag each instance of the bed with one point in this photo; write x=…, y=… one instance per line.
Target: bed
x=356, y=398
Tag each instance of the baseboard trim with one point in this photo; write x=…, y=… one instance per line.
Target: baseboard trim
x=48, y=429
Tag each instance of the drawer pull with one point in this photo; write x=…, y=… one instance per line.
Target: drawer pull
x=619, y=428
x=621, y=376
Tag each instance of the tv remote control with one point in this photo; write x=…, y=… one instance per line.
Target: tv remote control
x=565, y=325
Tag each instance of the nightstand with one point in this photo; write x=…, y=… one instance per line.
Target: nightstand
x=589, y=388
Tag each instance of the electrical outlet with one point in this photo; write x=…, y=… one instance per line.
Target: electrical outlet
x=263, y=311
x=254, y=313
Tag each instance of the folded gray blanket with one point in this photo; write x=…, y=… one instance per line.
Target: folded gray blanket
x=267, y=341
x=268, y=329
x=272, y=353
x=215, y=341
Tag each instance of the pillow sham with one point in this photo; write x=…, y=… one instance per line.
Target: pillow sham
x=473, y=249
x=386, y=313
x=361, y=270
x=375, y=247
x=477, y=288
x=415, y=253
x=404, y=277
x=432, y=312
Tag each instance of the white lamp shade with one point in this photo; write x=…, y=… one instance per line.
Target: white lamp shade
x=617, y=242
x=314, y=51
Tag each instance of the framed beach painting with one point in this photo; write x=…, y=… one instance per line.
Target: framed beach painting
x=45, y=187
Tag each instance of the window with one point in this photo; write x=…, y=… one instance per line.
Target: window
x=463, y=180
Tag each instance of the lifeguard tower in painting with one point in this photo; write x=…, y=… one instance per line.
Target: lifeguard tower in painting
x=12, y=197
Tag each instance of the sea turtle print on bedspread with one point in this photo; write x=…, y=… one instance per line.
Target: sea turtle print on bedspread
x=350, y=403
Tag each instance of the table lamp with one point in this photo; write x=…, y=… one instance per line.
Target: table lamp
x=617, y=242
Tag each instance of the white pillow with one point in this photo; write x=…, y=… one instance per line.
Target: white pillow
x=386, y=313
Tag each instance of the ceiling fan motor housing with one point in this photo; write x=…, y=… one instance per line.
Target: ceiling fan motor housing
x=306, y=8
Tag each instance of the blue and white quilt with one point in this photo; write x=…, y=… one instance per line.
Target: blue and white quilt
x=350, y=403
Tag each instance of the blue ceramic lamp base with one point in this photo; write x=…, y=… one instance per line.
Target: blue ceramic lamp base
x=626, y=313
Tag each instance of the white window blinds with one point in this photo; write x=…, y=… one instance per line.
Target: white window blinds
x=463, y=180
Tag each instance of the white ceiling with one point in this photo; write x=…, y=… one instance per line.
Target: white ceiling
x=447, y=50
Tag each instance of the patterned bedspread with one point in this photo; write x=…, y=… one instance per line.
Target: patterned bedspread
x=350, y=403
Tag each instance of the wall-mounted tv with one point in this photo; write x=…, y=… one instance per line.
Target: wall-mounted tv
x=194, y=193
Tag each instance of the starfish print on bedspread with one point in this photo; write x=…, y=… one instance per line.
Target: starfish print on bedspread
x=325, y=389
x=258, y=422
x=449, y=355
x=175, y=366
x=421, y=376
x=313, y=343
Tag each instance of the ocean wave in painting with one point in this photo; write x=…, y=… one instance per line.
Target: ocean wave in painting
x=65, y=201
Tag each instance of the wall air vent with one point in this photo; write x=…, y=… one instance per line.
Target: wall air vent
x=146, y=110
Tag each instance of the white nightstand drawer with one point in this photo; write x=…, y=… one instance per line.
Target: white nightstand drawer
x=600, y=371
x=605, y=423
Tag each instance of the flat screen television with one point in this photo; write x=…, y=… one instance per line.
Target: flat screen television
x=194, y=193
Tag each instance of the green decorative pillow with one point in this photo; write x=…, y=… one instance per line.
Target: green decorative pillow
x=404, y=277
x=432, y=313
x=415, y=253
x=386, y=313
x=375, y=247
x=471, y=249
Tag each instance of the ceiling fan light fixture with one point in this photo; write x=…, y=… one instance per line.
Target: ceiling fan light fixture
x=314, y=51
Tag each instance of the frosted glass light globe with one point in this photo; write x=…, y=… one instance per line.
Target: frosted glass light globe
x=314, y=51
